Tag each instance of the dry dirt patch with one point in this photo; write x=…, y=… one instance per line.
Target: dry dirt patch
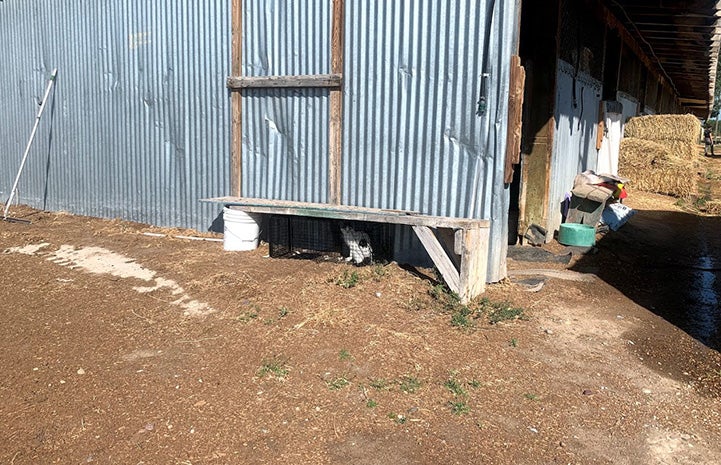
x=106, y=360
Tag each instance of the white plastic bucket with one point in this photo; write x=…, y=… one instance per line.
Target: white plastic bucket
x=241, y=230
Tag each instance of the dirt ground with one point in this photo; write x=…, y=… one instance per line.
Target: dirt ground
x=120, y=347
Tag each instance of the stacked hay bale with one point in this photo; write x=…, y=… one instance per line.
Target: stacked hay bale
x=659, y=152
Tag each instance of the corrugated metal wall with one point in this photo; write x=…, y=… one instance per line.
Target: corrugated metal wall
x=630, y=106
x=139, y=124
x=412, y=137
x=285, y=131
x=574, y=141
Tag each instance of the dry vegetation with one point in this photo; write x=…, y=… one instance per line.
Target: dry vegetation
x=659, y=154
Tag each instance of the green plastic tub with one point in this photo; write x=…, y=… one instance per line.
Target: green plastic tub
x=581, y=235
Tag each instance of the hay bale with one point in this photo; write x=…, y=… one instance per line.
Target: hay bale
x=713, y=207
x=652, y=167
x=682, y=149
x=685, y=128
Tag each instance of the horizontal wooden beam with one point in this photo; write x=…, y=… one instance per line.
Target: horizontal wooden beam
x=272, y=82
x=346, y=212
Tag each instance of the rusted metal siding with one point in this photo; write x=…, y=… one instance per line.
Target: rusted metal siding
x=138, y=126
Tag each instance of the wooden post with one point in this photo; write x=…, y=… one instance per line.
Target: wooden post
x=515, y=117
x=236, y=148
x=601, y=127
x=474, y=263
x=335, y=134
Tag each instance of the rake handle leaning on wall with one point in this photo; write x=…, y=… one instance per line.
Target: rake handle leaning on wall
x=30, y=142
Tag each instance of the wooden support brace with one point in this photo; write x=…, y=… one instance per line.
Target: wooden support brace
x=470, y=281
x=439, y=257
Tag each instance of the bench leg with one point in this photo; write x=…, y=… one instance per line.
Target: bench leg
x=474, y=263
x=439, y=256
x=472, y=244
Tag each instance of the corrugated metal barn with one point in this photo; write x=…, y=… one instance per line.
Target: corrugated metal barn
x=411, y=106
x=138, y=126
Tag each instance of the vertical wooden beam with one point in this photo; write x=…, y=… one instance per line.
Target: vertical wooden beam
x=601, y=126
x=335, y=134
x=236, y=147
x=515, y=117
x=474, y=263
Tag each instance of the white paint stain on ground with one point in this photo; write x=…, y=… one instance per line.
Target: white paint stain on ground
x=31, y=249
x=97, y=260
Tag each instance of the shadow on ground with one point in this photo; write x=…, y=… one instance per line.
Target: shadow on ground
x=669, y=263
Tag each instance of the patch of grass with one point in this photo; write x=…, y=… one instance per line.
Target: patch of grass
x=348, y=280
x=532, y=397
x=371, y=403
x=444, y=296
x=379, y=384
x=344, y=355
x=415, y=304
x=498, y=312
x=275, y=367
x=474, y=383
x=379, y=272
x=246, y=317
x=338, y=383
x=459, y=408
x=455, y=387
x=398, y=418
x=462, y=316
x=410, y=384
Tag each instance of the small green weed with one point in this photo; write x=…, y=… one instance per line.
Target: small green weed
x=474, y=383
x=410, y=384
x=283, y=312
x=513, y=342
x=344, y=355
x=379, y=272
x=462, y=316
x=348, y=280
x=459, y=408
x=415, y=304
x=700, y=202
x=455, y=387
x=275, y=367
x=338, y=383
x=246, y=317
x=444, y=296
x=497, y=312
x=379, y=384
x=371, y=403
x=398, y=418
x=532, y=397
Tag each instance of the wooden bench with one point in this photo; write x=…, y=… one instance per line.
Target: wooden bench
x=463, y=267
